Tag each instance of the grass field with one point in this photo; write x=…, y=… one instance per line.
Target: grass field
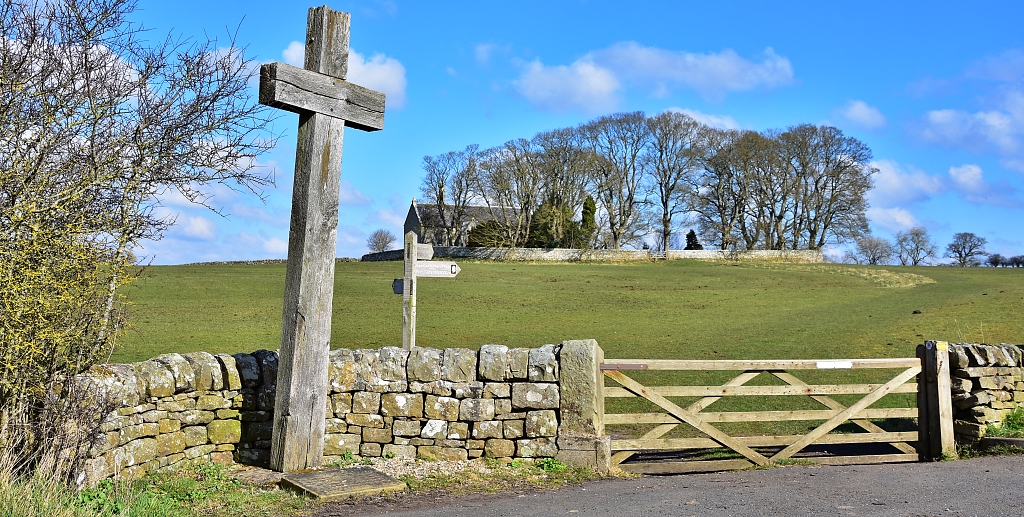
x=674, y=309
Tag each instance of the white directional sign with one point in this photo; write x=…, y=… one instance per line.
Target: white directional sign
x=424, y=252
x=437, y=269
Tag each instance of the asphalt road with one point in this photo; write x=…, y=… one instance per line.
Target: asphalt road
x=984, y=487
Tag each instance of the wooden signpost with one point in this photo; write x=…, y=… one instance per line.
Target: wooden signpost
x=326, y=103
x=417, y=264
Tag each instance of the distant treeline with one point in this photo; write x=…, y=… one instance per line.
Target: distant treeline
x=609, y=182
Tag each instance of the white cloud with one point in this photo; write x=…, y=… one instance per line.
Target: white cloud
x=968, y=178
x=863, y=114
x=379, y=72
x=388, y=217
x=894, y=219
x=196, y=227
x=1014, y=165
x=712, y=74
x=259, y=214
x=275, y=246
x=594, y=82
x=975, y=131
x=351, y=196
x=295, y=54
x=897, y=185
x=581, y=86
x=483, y=52
x=719, y=121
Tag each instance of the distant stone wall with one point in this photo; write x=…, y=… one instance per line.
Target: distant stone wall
x=575, y=255
x=987, y=382
x=452, y=404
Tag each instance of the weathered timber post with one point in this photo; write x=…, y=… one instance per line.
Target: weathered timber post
x=326, y=103
x=934, y=402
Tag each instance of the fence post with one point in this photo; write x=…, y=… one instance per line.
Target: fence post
x=935, y=405
x=581, y=439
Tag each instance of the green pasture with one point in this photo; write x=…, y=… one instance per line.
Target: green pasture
x=662, y=310
x=673, y=309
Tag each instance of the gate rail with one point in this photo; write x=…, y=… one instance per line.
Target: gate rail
x=930, y=418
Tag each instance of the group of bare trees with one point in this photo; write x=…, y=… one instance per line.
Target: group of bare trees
x=914, y=247
x=800, y=188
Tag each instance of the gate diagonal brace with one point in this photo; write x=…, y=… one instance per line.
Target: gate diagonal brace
x=695, y=421
x=846, y=414
x=696, y=407
x=832, y=404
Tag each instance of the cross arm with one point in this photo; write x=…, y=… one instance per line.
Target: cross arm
x=301, y=91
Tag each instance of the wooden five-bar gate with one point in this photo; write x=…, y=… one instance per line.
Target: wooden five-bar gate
x=932, y=439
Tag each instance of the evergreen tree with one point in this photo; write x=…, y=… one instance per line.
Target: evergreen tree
x=691, y=241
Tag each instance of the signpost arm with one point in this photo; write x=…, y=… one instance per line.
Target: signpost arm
x=409, y=293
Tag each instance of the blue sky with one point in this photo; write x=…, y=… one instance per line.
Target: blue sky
x=935, y=89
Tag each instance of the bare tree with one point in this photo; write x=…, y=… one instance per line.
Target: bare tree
x=873, y=250
x=966, y=248
x=96, y=123
x=719, y=191
x=997, y=260
x=510, y=182
x=380, y=240
x=914, y=246
x=618, y=142
x=449, y=185
x=565, y=171
x=669, y=162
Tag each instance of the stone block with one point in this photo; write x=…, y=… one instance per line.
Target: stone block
x=541, y=423
x=434, y=429
x=475, y=444
x=428, y=452
x=134, y=432
x=193, y=417
x=406, y=427
x=580, y=390
x=224, y=431
x=171, y=443
x=375, y=435
x=958, y=385
x=476, y=410
x=366, y=402
x=441, y=408
x=337, y=444
x=402, y=404
x=512, y=429
x=228, y=414
x=362, y=420
x=335, y=426
x=535, y=396
x=370, y=450
x=169, y=426
x=458, y=431
x=458, y=365
x=497, y=448
x=502, y=406
x=487, y=429
x=536, y=448
x=154, y=416
x=248, y=370
x=199, y=451
x=467, y=390
x=342, y=403
x=971, y=429
x=997, y=382
x=184, y=375
x=267, y=361
x=424, y=365
x=493, y=362
x=393, y=363
x=497, y=390
x=176, y=406
x=159, y=380
x=399, y=451
x=195, y=435
x=229, y=372
x=958, y=357
x=543, y=366
x=139, y=451
x=453, y=454
x=212, y=402
x=518, y=364
x=590, y=452
x=207, y=370
x=438, y=388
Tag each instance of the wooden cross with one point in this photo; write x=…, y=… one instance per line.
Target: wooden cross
x=326, y=103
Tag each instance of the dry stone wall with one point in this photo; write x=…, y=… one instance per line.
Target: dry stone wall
x=575, y=255
x=452, y=404
x=987, y=382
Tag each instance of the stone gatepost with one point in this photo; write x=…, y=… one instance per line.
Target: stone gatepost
x=581, y=438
